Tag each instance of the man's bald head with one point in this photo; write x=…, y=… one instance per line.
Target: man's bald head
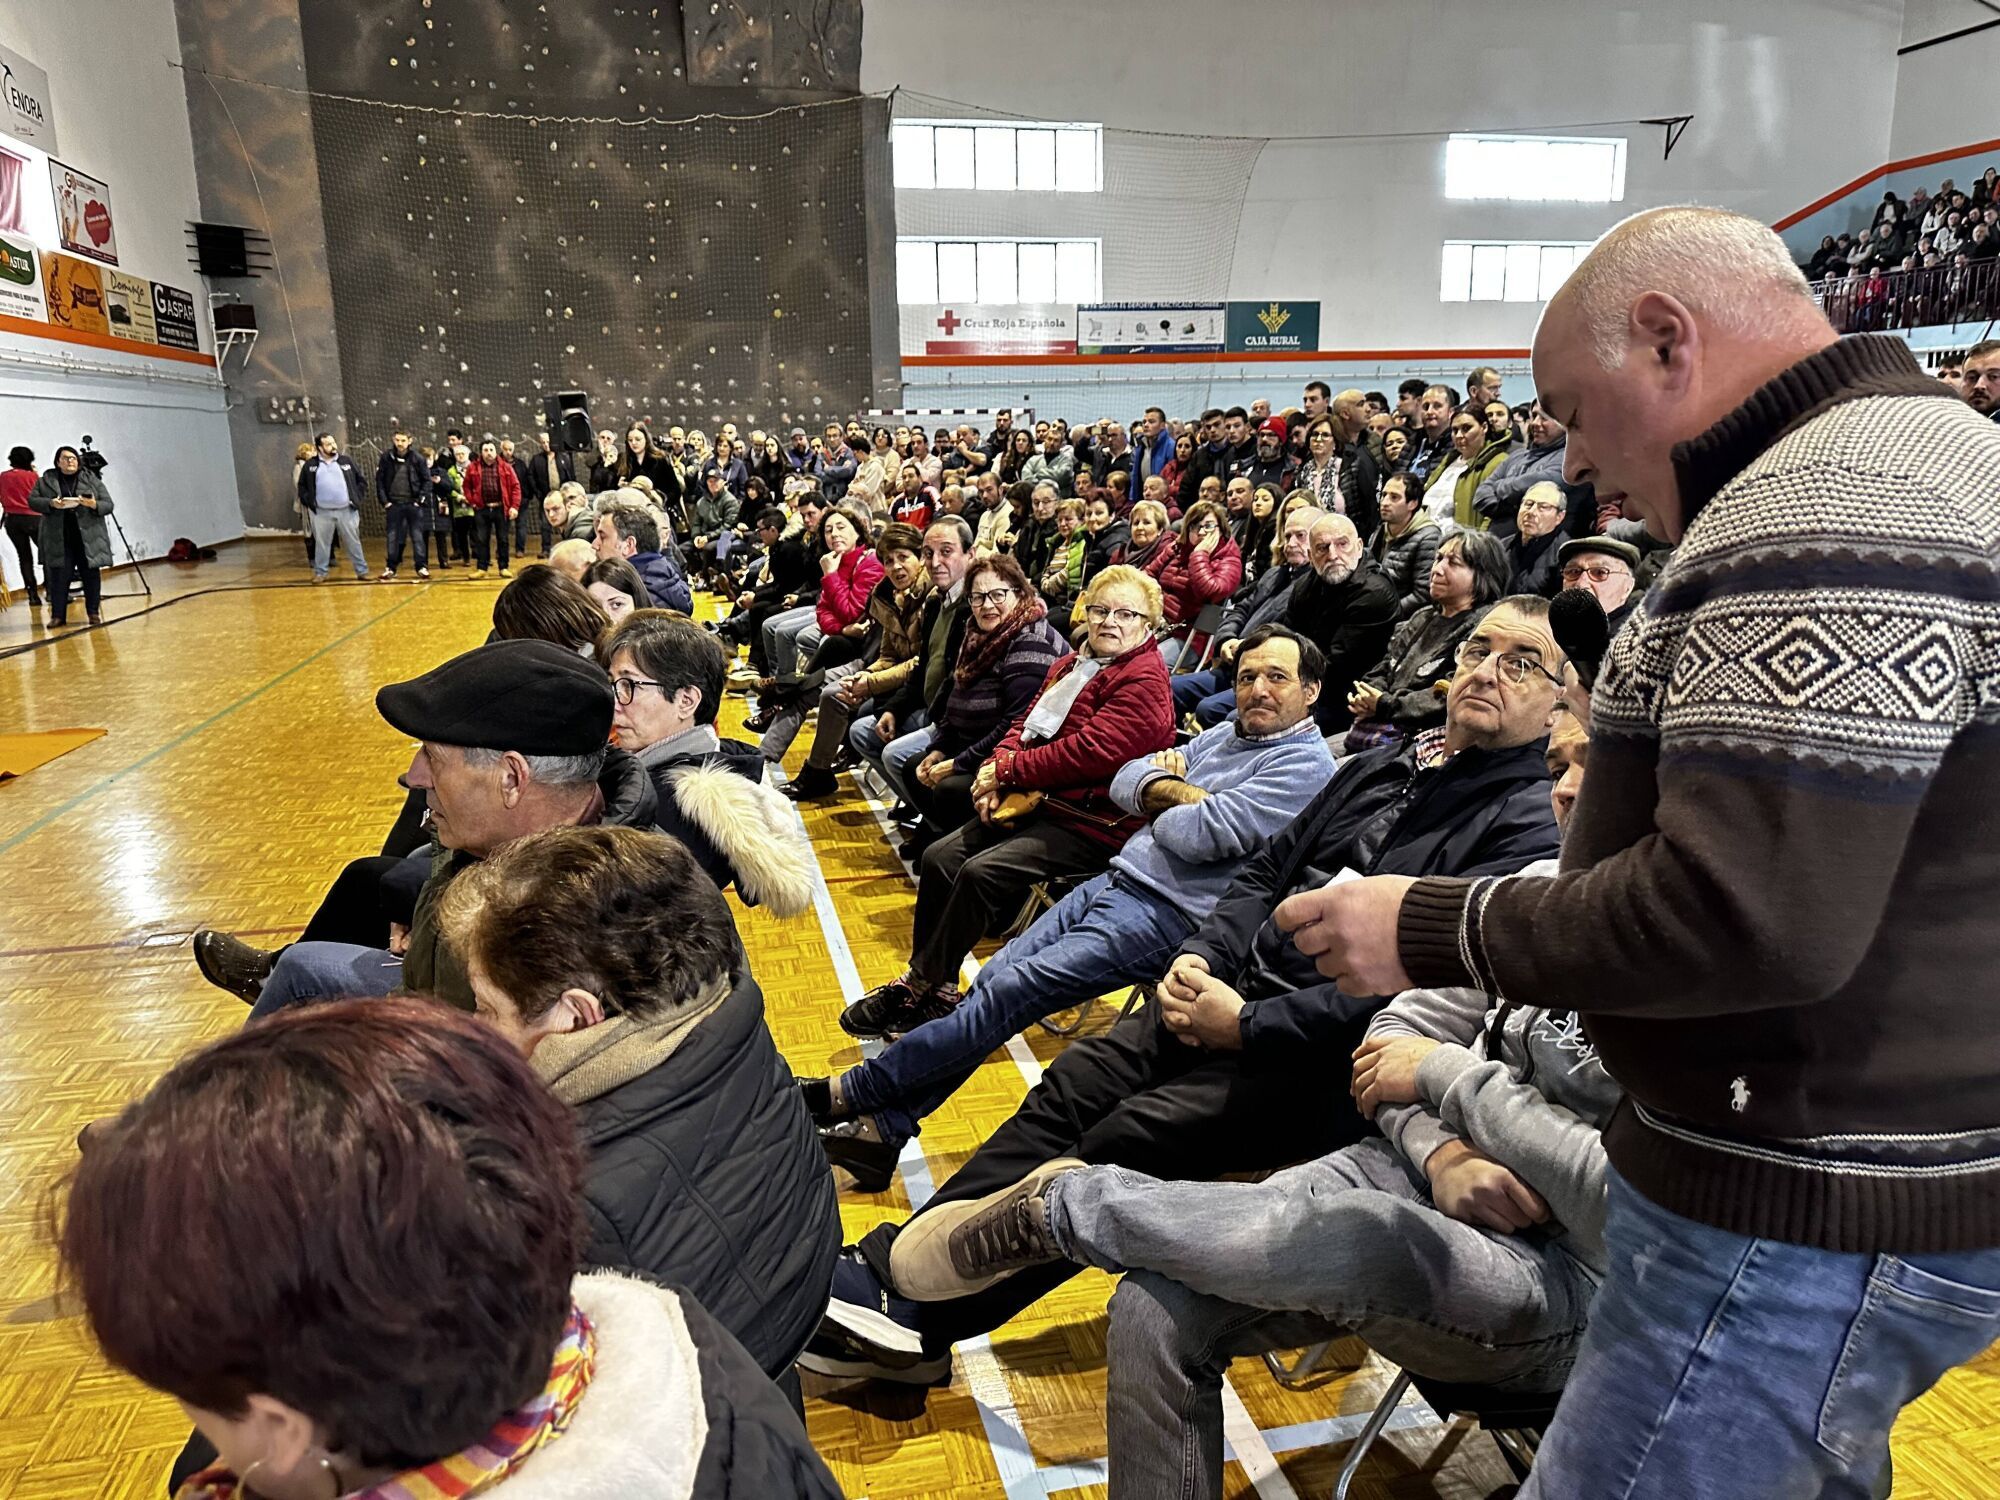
x=1335, y=548
x=1350, y=410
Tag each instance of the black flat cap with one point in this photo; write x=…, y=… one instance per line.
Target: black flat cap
x=529, y=696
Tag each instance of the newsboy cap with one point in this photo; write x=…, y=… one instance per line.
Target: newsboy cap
x=533, y=697
x=1606, y=546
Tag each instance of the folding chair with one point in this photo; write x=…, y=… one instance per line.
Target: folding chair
x=1141, y=993
x=1205, y=623
x=1516, y=1421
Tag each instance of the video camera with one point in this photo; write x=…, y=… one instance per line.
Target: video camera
x=90, y=458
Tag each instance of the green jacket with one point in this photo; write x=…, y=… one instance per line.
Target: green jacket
x=1468, y=482
x=89, y=523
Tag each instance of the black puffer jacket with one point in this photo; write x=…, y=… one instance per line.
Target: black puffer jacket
x=738, y=830
x=706, y=1171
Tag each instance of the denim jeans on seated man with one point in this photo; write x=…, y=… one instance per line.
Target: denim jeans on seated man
x=1347, y=1244
x=306, y=972
x=785, y=636
x=1788, y=1364
x=1098, y=938
x=894, y=759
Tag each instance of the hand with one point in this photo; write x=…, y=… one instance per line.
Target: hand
x=985, y=780
x=829, y=562
x=885, y=727
x=1172, y=762
x=853, y=689
x=1213, y=1019
x=1226, y=652
x=745, y=599
x=983, y=804
x=1209, y=543
x=1385, y=1071
x=1350, y=931
x=399, y=939
x=933, y=768
x=1470, y=1186
x=855, y=631
x=791, y=600
x=1183, y=978
x=88, y=502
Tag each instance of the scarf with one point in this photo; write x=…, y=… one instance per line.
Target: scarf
x=471, y=1470
x=583, y=1065
x=1045, y=719
x=697, y=739
x=983, y=648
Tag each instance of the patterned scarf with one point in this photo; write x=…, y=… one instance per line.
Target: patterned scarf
x=982, y=648
x=486, y=1462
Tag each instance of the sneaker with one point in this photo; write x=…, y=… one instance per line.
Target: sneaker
x=865, y=1016
x=423, y=575
x=388, y=575
x=506, y=572
x=811, y=784
x=932, y=1005
x=319, y=578
x=832, y=1354
x=478, y=572
x=871, y=1316
x=231, y=964
x=857, y=1146
x=361, y=576
x=957, y=1249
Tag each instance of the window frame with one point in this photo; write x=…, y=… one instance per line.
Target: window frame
x=1472, y=263
x=1498, y=180
x=985, y=248
x=996, y=144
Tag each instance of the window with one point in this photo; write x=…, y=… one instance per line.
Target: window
x=998, y=270
x=1535, y=168
x=999, y=158
x=1505, y=272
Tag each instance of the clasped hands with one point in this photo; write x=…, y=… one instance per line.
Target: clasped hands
x=1200, y=1009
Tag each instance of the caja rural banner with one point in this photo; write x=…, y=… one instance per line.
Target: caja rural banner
x=83, y=214
x=21, y=280
x=1273, y=327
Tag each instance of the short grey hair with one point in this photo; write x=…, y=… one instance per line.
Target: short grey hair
x=1730, y=270
x=559, y=771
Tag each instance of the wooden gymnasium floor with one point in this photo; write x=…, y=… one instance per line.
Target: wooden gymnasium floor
x=243, y=766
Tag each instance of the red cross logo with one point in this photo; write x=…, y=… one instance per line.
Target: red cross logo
x=949, y=322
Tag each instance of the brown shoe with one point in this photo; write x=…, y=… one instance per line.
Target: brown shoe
x=231, y=964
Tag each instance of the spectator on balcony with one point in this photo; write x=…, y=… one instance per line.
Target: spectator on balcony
x=1983, y=245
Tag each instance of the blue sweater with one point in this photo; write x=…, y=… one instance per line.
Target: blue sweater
x=1187, y=855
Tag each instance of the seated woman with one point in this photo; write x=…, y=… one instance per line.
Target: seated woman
x=849, y=571
x=1003, y=661
x=414, y=1323
x=667, y=678
x=893, y=616
x=615, y=583
x=618, y=973
x=1042, y=802
x=1062, y=575
x=1149, y=532
x=1202, y=568
x=543, y=604
x=1404, y=694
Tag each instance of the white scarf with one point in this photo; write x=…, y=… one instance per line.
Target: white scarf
x=1045, y=719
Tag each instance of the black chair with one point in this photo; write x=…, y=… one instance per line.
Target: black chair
x=1516, y=1420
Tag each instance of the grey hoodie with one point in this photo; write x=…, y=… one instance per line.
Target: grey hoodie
x=1537, y=1108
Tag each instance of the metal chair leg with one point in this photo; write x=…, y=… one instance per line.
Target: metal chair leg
x=1069, y=1028
x=1301, y=1371
x=1141, y=993
x=1377, y=1420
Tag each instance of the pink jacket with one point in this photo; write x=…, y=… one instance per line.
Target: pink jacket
x=843, y=593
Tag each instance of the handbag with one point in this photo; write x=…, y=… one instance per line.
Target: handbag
x=1014, y=807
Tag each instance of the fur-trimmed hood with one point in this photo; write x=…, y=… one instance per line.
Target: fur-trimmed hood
x=749, y=826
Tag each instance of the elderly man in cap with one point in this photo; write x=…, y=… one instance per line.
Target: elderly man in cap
x=1605, y=566
x=513, y=737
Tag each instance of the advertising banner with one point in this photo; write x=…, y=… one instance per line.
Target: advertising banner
x=173, y=317
x=75, y=291
x=1273, y=327
x=1149, y=327
x=990, y=329
x=25, y=112
x=21, y=280
x=83, y=214
x=128, y=306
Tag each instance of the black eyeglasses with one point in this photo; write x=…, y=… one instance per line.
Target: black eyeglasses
x=625, y=689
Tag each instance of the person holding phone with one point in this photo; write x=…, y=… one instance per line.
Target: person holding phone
x=72, y=503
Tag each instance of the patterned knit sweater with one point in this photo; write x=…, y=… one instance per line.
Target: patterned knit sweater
x=1780, y=908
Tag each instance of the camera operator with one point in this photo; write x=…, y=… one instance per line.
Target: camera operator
x=73, y=502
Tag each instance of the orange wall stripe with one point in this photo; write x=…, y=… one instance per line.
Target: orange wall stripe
x=1201, y=357
x=1929, y=158
x=58, y=335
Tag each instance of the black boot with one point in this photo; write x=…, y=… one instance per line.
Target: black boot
x=872, y=1162
x=812, y=784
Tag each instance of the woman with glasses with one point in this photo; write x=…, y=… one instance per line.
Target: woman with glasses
x=1319, y=475
x=1203, y=567
x=1041, y=802
x=1533, y=550
x=667, y=677
x=72, y=503
x=1480, y=450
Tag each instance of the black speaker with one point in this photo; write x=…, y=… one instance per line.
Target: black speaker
x=222, y=250
x=567, y=416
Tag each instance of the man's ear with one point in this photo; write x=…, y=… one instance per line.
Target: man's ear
x=1312, y=692
x=1665, y=327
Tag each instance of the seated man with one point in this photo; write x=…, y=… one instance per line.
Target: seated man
x=629, y=531
x=789, y=576
x=1237, y=1081
x=1097, y=710
x=513, y=738
x=1210, y=807
x=1464, y=1243
x=606, y=958
x=1263, y=603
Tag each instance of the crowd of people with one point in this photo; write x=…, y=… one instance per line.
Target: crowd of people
x=1933, y=258
x=1532, y=1084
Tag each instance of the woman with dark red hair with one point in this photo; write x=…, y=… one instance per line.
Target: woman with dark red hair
x=346, y=1239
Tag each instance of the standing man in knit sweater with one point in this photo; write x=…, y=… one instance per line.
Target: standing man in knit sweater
x=1208, y=806
x=1778, y=888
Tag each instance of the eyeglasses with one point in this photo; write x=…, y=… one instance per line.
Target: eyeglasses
x=1097, y=614
x=1542, y=505
x=625, y=689
x=1596, y=572
x=1513, y=666
x=994, y=597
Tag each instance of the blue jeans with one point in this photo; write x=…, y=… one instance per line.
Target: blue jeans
x=866, y=742
x=1102, y=935
x=405, y=523
x=900, y=757
x=1190, y=688
x=306, y=972
x=347, y=522
x=782, y=634
x=1724, y=1366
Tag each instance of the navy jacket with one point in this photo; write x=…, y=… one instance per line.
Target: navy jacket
x=1480, y=812
x=664, y=581
x=309, y=481
x=420, y=475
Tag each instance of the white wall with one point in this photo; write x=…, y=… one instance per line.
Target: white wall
x=121, y=115
x=1791, y=98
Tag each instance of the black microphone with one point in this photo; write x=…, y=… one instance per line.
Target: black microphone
x=1578, y=623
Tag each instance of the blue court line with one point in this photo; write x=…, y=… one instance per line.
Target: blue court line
x=187, y=734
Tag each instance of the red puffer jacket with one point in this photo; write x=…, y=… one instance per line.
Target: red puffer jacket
x=843, y=593
x=1124, y=712
x=510, y=486
x=1191, y=578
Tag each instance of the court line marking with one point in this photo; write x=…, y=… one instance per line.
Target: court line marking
x=65, y=808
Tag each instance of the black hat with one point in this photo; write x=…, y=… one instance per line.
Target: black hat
x=1608, y=546
x=532, y=697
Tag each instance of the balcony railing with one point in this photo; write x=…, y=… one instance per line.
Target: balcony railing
x=1911, y=299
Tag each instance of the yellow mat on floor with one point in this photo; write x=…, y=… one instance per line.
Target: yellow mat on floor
x=21, y=753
